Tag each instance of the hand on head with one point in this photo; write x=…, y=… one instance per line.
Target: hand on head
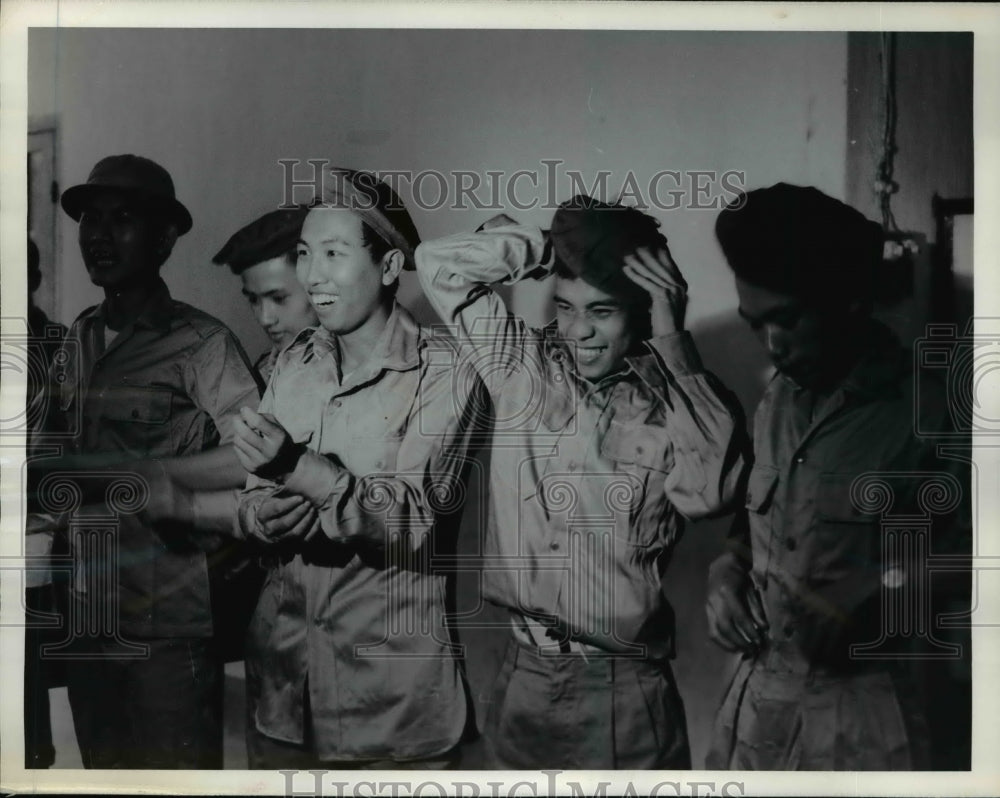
x=658, y=275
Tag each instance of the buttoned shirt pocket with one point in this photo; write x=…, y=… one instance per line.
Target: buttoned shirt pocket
x=845, y=535
x=641, y=459
x=373, y=456
x=138, y=416
x=373, y=462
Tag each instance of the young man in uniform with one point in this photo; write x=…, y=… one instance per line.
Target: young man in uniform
x=836, y=454
x=149, y=385
x=609, y=434
x=358, y=454
x=263, y=255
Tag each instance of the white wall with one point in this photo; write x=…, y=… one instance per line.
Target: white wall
x=219, y=108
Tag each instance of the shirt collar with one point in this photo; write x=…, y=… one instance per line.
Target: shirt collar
x=155, y=312
x=397, y=347
x=555, y=348
x=877, y=372
x=879, y=369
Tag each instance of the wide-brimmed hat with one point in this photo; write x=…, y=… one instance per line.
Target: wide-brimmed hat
x=140, y=178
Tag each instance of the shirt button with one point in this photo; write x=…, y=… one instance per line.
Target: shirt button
x=572, y=466
x=800, y=459
x=554, y=546
x=337, y=403
x=135, y=414
x=380, y=464
x=790, y=544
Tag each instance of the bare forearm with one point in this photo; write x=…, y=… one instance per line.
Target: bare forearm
x=212, y=470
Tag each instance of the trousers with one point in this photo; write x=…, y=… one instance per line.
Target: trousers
x=572, y=712
x=162, y=711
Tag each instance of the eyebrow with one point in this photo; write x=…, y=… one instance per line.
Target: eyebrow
x=271, y=292
x=333, y=240
x=601, y=303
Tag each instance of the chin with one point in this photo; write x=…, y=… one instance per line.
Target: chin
x=593, y=372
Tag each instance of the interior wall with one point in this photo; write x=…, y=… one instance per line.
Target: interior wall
x=219, y=108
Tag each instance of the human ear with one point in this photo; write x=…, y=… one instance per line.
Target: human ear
x=392, y=265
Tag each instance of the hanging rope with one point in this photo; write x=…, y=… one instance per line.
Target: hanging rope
x=885, y=186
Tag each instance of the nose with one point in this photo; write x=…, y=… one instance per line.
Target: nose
x=305, y=272
x=774, y=341
x=580, y=329
x=267, y=316
x=94, y=227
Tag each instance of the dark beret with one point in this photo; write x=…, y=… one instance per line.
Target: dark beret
x=798, y=240
x=272, y=235
x=591, y=238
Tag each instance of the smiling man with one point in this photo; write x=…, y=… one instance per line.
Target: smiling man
x=357, y=452
x=802, y=579
x=609, y=434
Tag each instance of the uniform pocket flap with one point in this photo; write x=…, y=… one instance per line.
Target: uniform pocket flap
x=639, y=446
x=138, y=405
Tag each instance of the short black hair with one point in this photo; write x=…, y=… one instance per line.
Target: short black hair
x=378, y=247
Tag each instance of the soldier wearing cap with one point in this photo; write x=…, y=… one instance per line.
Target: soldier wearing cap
x=263, y=255
x=609, y=434
x=155, y=385
x=805, y=588
x=358, y=456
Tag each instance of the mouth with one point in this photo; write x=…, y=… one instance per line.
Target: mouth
x=324, y=301
x=586, y=355
x=102, y=258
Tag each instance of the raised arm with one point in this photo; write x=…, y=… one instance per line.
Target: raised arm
x=704, y=419
x=458, y=273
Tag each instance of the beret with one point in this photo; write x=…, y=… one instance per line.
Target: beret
x=797, y=240
x=272, y=235
x=591, y=238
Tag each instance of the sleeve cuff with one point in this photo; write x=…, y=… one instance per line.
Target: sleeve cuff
x=678, y=353
x=315, y=477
